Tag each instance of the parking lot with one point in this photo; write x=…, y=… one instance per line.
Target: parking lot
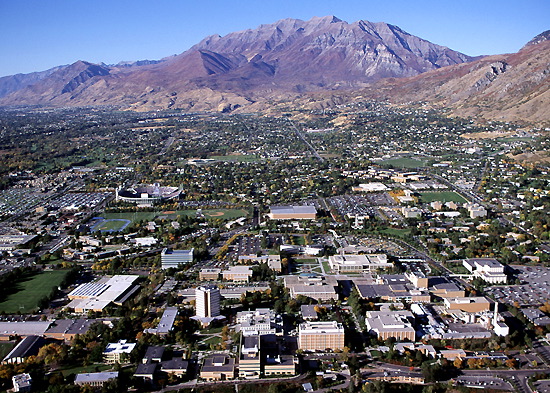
x=74, y=201
x=482, y=382
x=534, y=290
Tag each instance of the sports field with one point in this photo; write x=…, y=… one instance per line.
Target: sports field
x=111, y=225
x=404, y=163
x=441, y=196
x=29, y=290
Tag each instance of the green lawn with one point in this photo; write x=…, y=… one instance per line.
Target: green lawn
x=92, y=368
x=237, y=158
x=213, y=340
x=112, y=225
x=212, y=330
x=226, y=214
x=326, y=266
x=306, y=261
x=299, y=240
x=5, y=348
x=404, y=163
x=132, y=216
x=29, y=290
x=395, y=231
x=442, y=196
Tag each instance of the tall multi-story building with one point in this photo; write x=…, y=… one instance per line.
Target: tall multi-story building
x=319, y=336
x=207, y=301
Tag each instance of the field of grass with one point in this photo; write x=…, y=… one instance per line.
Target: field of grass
x=213, y=340
x=306, y=261
x=236, y=158
x=299, y=240
x=5, y=348
x=326, y=266
x=112, y=225
x=226, y=214
x=442, y=196
x=457, y=268
x=30, y=290
x=215, y=330
x=92, y=368
x=133, y=216
x=396, y=232
x=404, y=163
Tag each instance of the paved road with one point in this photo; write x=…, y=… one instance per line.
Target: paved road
x=301, y=136
x=194, y=383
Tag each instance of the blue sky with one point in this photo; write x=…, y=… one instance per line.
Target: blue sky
x=39, y=34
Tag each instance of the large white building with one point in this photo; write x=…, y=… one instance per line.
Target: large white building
x=99, y=294
x=386, y=324
x=258, y=322
x=174, y=258
x=488, y=269
x=348, y=263
x=118, y=352
x=207, y=301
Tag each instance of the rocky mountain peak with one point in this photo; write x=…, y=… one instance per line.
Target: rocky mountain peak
x=544, y=36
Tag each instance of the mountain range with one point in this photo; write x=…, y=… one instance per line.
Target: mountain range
x=302, y=60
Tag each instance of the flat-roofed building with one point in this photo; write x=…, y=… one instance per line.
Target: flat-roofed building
x=147, y=371
x=250, y=359
x=95, y=379
x=218, y=367
x=371, y=187
x=23, y=328
x=488, y=269
x=442, y=287
x=292, y=212
x=22, y=383
x=67, y=329
x=11, y=242
x=175, y=258
x=176, y=366
x=272, y=261
x=475, y=210
x=209, y=274
x=351, y=263
x=320, y=336
x=166, y=322
x=395, y=292
x=452, y=354
x=308, y=312
x=280, y=365
x=118, y=352
x=467, y=304
x=259, y=322
x=237, y=274
x=153, y=354
x=313, y=286
x=388, y=324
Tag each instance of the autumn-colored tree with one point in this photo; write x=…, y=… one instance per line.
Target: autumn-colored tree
x=52, y=354
x=458, y=363
x=511, y=363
